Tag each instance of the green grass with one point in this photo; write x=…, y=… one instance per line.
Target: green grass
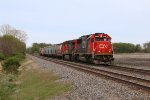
x=31, y=84
x=39, y=85
x=7, y=86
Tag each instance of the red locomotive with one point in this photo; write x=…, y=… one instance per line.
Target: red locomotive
x=91, y=48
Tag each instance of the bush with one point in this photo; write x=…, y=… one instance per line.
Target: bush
x=11, y=65
x=2, y=57
x=19, y=56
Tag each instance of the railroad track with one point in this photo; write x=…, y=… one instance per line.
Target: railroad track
x=135, y=70
x=136, y=82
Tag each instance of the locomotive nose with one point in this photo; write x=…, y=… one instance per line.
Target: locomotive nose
x=103, y=47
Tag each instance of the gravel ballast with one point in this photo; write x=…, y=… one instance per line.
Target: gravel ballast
x=90, y=87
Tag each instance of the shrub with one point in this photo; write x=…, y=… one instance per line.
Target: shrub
x=2, y=57
x=11, y=65
x=19, y=56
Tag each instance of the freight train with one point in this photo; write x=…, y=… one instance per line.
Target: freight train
x=95, y=48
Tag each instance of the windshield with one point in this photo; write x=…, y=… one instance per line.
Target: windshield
x=102, y=39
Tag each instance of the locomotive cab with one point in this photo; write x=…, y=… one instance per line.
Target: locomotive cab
x=103, y=45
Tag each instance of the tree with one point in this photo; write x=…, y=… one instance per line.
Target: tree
x=36, y=46
x=12, y=48
x=146, y=47
x=7, y=29
x=138, y=48
x=124, y=47
x=10, y=45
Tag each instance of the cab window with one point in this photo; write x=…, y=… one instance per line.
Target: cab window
x=100, y=39
x=109, y=39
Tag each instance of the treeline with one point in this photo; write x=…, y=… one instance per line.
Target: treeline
x=118, y=47
x=12, y=48
x=35, y=47
x=131, y=48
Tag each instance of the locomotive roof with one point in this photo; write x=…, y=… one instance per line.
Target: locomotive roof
x=99, y=33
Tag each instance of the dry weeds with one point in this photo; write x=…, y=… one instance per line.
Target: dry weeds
x=140, y=60
x=0, y=67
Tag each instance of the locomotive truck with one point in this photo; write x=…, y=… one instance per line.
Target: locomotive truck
x=96, y=48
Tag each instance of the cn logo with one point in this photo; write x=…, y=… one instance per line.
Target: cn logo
x=103, y=46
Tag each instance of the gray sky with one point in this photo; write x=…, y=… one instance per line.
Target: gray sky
x=54, y=21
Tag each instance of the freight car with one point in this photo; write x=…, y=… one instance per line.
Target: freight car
x=94, y=48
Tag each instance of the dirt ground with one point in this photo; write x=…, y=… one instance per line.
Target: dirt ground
x=140, y=60
x=28, y=65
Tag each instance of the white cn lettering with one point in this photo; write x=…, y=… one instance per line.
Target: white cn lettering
x=103, y=46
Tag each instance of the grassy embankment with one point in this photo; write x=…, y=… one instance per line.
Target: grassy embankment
x=33, y=83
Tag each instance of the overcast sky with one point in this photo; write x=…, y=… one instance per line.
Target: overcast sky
x=54, y=21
